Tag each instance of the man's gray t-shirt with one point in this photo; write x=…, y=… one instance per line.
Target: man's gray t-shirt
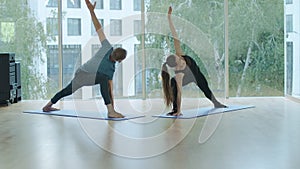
x=100, y=62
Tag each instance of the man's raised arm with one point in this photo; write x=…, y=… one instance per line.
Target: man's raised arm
x=95, y=20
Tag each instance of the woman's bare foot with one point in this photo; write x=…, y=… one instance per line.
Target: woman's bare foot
x=219, y=105
x=174, y=113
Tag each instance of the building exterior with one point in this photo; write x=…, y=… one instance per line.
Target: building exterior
x=121, y=21
x=292, y=60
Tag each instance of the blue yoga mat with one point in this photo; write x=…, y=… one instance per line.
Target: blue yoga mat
x=205, y=111
x=81, y=114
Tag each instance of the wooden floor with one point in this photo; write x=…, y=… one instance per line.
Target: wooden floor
x=264, y=137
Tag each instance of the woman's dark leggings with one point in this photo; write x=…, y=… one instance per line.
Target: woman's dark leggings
x=201, y=82
x=81, y=79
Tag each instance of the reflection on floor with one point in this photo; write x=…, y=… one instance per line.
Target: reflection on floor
x=266, y=136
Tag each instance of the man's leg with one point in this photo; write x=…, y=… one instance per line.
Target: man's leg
x=80, y=79
x=104, y=89
x=68, y=90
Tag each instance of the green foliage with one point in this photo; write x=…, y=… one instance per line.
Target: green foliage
x=254, y=26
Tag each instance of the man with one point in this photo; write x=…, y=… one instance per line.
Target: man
x=97, y=70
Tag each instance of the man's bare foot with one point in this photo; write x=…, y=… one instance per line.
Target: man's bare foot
x=48, y=109
x=112, y=113
x=115, y=115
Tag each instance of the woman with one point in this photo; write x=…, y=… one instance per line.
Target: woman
x=186, y=71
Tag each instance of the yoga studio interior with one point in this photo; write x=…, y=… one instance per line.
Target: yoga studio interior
x=239, y=108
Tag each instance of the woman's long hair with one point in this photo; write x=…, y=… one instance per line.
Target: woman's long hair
x=168, y=94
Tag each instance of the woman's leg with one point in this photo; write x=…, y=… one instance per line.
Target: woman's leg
x=203, y=85
x=174, y=91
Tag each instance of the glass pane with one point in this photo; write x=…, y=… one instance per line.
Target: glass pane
x=137, y=27
x=115, y=4
x=21, y=33
x=137, y=5
x=74, y=4
x=93, y=31
x=115, y=27
x=256, y=49
x=7, y=32
x=138, y=67
x=99, y=3
x=289, y=23
x=74, y=27
x=51, y=3
x=289, y=1
x=52, y=24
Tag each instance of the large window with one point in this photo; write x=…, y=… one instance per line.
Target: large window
x=256, y=61
x=74, y=27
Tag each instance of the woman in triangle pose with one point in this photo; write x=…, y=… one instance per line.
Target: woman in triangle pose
x=186, y=71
